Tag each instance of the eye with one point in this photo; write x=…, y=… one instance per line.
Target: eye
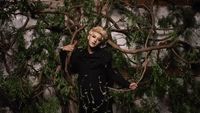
x=93, y=36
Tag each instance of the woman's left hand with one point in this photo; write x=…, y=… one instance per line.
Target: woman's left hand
x=133, y=85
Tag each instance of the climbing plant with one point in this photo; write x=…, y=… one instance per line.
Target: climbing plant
x=165, y=66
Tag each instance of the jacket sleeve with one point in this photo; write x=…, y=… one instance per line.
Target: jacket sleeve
x=63, y=57
x=114, y=74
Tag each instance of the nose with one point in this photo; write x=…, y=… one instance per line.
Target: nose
x=95, y=40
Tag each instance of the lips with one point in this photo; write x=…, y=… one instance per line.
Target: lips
x=93, y=43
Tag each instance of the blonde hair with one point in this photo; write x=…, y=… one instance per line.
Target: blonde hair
x=101, y=31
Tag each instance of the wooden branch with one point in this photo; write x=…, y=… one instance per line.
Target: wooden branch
x=111, y=20
x=72, y=41
x=144, y=70
x=67, y=61
x=119, y=90
x=134, y=51
x=76, y=32
x=147, y=55
x=184, y=60
x=129, y=59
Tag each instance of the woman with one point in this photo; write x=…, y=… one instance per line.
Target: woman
x=95, y=73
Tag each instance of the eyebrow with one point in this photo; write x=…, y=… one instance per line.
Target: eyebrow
x=98, y=33
x=101, y=36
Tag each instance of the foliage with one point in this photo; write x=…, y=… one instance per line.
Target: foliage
x=13, y=89
x=50, y=106
x=170, y=77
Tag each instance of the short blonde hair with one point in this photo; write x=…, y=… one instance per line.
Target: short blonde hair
x=101, y=31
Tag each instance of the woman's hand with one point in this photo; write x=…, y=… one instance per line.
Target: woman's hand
x=69, y=47
x=133, y=86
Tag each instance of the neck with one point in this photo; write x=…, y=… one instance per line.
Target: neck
x=90, y=50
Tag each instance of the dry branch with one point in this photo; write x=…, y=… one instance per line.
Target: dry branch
x=146, y=49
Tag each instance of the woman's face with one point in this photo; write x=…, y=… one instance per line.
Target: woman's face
x=94, y=39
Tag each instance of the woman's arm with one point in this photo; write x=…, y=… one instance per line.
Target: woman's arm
x=116, y=76
x=64, y=56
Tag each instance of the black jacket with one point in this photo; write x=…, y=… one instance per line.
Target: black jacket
x=95, y=75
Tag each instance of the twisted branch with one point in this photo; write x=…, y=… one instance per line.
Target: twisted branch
x=146, y=49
